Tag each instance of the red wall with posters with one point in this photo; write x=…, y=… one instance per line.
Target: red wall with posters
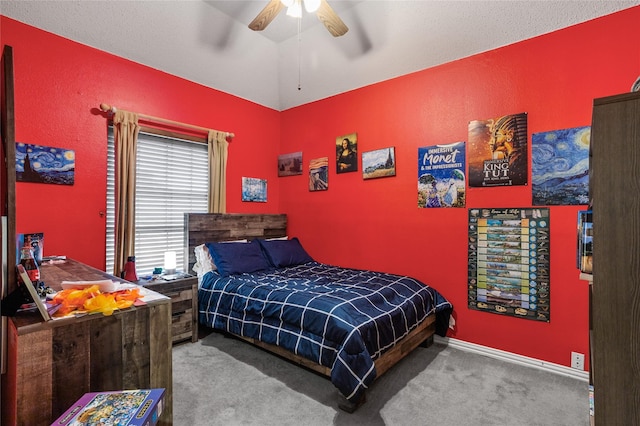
x=376, y=223
x=359, y=223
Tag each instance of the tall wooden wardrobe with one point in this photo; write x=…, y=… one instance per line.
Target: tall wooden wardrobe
x=615, y=297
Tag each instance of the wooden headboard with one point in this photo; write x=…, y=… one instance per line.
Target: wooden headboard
x=200, y=228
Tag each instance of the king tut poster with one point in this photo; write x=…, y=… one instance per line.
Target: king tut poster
x=441, y=178
x=509, y=262
x=498, y=151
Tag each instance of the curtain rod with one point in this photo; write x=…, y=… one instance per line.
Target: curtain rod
x=112, y=109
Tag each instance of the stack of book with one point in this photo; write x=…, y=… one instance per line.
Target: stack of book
x=585, y=242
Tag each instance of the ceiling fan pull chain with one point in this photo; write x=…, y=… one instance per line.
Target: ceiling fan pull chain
x=299, y=48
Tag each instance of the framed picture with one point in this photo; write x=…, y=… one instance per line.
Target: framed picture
x=347, y=153
x=498, y=151
x=33, y=240
x=379, y=163
x=290, y=164
x=560, y=167
x=44, y=164
x=319, y=174
x=254, y=189
x=441, y=178
x=509, y=262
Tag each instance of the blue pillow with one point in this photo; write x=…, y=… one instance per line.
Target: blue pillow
x=238, y=258
x=283, y=253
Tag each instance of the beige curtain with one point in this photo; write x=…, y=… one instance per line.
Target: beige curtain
x=125, y=130
x=218, y=151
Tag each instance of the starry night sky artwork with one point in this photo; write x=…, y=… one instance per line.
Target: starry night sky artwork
x=43, y=164
x=560, y=167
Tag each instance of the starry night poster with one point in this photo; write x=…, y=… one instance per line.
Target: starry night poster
x=44, y=164
x=560, y=167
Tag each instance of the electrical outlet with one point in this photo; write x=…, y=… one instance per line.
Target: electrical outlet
x=577, y=361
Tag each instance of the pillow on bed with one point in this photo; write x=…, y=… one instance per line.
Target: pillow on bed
x=238, y=258
x=277, y=238
x=282, y=253
x=204, y=261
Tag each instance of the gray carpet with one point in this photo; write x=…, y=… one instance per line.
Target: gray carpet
x=223, y=381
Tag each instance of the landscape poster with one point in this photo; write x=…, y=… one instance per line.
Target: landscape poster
x=441, y=175
x=498, y=151
x=290, y=164
x=560, y=167
x=379, y=163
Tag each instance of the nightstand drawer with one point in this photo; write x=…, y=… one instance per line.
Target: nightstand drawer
x=182, y=325
x=182, y=304
x=184, y=300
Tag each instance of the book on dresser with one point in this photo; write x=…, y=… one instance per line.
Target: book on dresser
x=585, y=241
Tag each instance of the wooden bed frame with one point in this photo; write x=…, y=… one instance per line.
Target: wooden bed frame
x=215, y=227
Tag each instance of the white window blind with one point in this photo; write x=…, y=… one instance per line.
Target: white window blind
x=172, y=178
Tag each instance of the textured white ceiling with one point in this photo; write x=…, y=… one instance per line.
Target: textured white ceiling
x=208, y=42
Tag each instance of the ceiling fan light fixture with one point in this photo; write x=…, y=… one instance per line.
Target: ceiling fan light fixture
x=311, y=5
x=325, y=13
x=295, y=10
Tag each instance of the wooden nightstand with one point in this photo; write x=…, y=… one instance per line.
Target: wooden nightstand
x=184, y=305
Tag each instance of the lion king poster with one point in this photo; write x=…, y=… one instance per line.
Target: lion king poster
x=498, y=151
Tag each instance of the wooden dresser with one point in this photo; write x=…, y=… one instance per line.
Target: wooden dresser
x=52, y=364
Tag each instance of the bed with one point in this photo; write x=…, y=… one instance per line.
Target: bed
x=347, y=324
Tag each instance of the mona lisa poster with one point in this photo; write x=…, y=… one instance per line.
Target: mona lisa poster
x=498, y=153
x=347, y=153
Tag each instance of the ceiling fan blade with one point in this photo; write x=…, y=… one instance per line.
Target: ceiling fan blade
x=266, y=15
x=331, y=20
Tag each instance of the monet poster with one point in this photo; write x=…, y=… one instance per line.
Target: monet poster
x=254, y=189
x=319, y=174
x=290, y=164
x=509, y=262
x=379, y=163
x=560, y=167
x=347, y=153
x=441, y=175
x=43, y=164
x=498, y=151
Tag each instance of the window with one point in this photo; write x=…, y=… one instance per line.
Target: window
x=172, y=178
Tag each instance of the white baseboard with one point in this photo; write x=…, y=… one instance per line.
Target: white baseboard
x=513, y=358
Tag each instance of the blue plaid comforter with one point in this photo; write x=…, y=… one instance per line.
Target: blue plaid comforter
x=341, y=318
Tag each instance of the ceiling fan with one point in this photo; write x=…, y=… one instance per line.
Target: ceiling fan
x=325, y=14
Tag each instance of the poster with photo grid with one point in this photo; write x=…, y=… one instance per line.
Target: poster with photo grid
x=509, y=262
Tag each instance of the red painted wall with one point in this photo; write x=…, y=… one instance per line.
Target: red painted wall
x=367, y=224
x=376, y=224
x=59, y=85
